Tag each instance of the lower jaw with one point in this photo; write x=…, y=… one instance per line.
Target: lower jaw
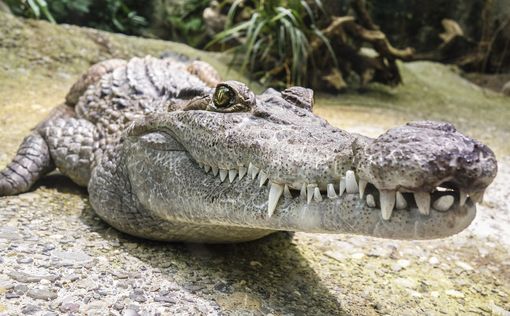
x=209, y=201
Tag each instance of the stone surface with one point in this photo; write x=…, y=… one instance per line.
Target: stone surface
x=58, y=257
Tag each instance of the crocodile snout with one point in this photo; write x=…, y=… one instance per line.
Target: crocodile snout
x=425, y=157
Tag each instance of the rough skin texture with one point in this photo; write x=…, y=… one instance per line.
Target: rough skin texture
x=169, y=152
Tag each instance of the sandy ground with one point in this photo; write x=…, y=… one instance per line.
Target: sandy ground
x=57, y=257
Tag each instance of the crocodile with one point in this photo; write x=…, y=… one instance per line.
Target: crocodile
x=170, y=152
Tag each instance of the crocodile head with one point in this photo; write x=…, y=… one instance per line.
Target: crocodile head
x=232, y=160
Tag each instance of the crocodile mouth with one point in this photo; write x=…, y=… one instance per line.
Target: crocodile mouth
x=445, y=197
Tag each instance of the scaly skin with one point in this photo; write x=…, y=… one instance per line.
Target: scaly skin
x=166, y=156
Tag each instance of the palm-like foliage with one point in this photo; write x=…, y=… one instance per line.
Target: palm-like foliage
x=275, y=40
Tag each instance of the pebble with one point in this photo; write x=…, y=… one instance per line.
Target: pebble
x=400, y=264
x=69, y=258
x=42, y=294
x=130, y=312
x=454, y=293
x=30, y=278
x=165, y=299
x=464, y=265
x=407, y=283
x=24, y=260
x=433, y=261
x=30, y=309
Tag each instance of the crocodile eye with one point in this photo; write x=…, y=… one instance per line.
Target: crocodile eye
x=223, y=97
x=232, y=96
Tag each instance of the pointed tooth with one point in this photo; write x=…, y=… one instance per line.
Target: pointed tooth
x=242, y=172
x=423, y=202
x=262, y=178
x=215, y=171
x=223, y=174
x=362, y=187
x=207, y=168
x=310, y=189
x=254, y=172
x=250, y=169
x=443, y=203
x=331, y=191
x=341, y=187
x=302, y=192
x=462, y=197
x=387, y=199
x=201, y=165
x=274, y=196
x=370, y=200
x=477, y=197
x=401, y=202
x=286, y=192
x=232, y=174
x=350, y=182
x=317, y=196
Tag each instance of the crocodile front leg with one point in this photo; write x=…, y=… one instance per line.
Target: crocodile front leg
x=32, y=161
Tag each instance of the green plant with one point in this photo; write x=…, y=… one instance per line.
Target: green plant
x=110, y=15
x=31, y=8
x=182, y=21
x=275, y=43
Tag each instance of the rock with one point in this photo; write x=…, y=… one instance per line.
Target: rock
x=407, y=283
x=9, y=233
x=69, y=307
x=30, y=309
x=506, y=89
x=42, y=294
x=24, y=260
x=400, y=264
x=464, y=265
x=433, y=261
x=30, y=278
x=67, y=258
x=130, y=312
x=454, y=293
x=20, y=289
x=165, y=299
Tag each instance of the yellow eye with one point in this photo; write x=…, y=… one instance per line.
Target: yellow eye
x=223, y=97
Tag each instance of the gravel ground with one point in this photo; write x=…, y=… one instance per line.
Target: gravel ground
x=57, y=257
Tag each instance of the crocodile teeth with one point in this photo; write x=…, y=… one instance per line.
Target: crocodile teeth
x=223, y=174
x=317, y=196
x=262, y=178
x=387, y=199
x=286, y=192
x=370, y=200
x=242, y=172
x=207, y=168
x=423, y=202
x=331, y=191
x=201, y=165
x=462, y=198
x=309, y=192
x=254, y=171
x=401, y=202
x=302, y=193
x=274, y=196
x=215, y=171
x=350, y=182
x=477, y=196
x=232, y=174
x=443, y=203
x=341, y=187
x=362, y=187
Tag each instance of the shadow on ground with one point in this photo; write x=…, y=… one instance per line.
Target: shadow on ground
x=266, y=275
